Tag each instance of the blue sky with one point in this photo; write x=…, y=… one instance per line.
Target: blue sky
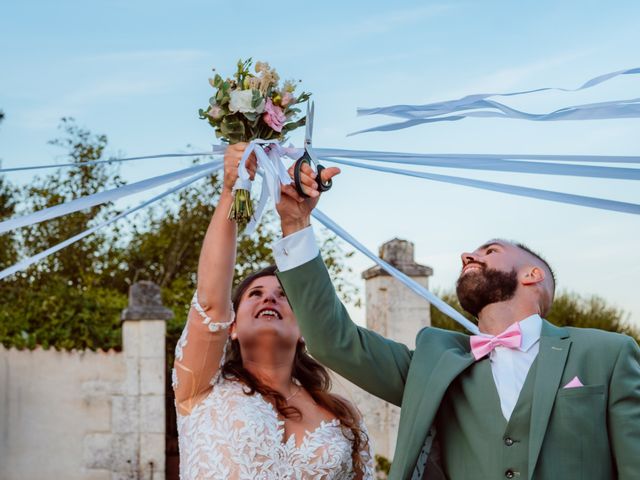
x=137, y=72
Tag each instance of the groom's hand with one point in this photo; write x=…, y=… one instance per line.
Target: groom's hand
x=294, y=210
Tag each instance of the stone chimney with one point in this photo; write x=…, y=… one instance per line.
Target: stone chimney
x=391, y=308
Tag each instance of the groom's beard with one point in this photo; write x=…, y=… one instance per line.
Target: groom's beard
x=480, y=288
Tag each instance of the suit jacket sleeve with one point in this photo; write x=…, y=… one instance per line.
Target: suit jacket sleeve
x=374, y=363
x=624, y=411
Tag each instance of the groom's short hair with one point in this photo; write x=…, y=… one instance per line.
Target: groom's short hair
x=546, y=302
x=522, y=246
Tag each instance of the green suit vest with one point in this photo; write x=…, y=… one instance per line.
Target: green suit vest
x=476, y=440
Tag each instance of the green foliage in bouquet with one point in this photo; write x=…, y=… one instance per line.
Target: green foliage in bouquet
x=253, y=105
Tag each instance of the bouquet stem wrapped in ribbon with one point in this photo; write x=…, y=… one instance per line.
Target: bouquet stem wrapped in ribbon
x=252, y=106
x=242, y=209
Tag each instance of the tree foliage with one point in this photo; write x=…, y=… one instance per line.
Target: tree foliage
x=8, y=203
x=8, y=253
x=68, y=300
x=74, y=298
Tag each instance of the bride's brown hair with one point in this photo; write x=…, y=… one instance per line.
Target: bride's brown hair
x=310, y=374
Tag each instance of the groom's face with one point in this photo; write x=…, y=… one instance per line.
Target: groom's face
x=489, y=275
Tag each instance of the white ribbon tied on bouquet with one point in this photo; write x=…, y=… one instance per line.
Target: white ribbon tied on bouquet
x=269, y=155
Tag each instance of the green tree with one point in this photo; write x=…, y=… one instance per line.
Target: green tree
x=569, y=309
x=8, y=203
x=67, y=300
x=382, y=467
x=73, y=299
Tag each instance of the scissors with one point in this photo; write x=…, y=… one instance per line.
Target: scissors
x=310, y=158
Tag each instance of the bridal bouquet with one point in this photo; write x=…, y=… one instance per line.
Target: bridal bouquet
x=251, y=106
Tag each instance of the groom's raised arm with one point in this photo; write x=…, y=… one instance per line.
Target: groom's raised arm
x=376, y=364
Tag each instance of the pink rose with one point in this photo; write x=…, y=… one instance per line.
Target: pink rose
x=287, y=98
x=273, y=116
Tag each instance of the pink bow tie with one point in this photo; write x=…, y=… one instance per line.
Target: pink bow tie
x=481, y=345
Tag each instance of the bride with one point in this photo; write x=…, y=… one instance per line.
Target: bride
x=251, y=403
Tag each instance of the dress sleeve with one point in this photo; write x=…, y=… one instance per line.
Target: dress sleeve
x=200, y=353
x=368, y=470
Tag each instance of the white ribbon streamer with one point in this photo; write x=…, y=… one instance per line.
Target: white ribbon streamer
x=406, y=280
x=102, y=197
x=449, y=106
x=592, y=111
x=23, y=264
x=518, y=166
x=442, y=111
x=364, y=154
x=217, y=150
x=569, y=198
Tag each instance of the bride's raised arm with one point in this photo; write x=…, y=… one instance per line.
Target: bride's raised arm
x=201, y=347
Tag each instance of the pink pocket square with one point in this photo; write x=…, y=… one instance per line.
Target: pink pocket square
x=575, y=382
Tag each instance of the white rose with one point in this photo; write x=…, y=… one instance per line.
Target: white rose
x=240, y=101
x=260, y=107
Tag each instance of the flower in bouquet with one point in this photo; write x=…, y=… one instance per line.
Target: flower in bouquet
x=274, y=116
x=249, y=106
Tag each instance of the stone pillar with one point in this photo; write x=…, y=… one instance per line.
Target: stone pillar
x=391, y=308
x=397, y=313
x=138, y=416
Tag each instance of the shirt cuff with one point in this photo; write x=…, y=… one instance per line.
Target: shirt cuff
x=295, y=249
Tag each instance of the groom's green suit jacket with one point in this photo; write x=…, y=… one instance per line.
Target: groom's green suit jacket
x=588, y=432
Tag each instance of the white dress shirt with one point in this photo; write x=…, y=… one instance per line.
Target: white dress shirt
x=296, y=249
x=509, y=366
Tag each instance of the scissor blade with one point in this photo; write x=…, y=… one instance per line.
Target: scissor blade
x=308, y=133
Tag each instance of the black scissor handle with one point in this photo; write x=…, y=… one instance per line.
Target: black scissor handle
x=323, y=186
x=297, y=169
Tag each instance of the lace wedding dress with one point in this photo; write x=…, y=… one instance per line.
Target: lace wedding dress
x=227, y=434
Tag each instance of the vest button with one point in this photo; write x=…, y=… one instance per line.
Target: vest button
x=509, y=474
x=508, y=441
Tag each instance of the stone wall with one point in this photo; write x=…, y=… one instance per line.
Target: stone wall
x=101, y=415
x=88, y=415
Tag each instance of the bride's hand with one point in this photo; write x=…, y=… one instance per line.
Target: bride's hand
x=232, y=156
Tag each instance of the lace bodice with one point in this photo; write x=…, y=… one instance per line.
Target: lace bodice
x=226, y=434
x=231, y=435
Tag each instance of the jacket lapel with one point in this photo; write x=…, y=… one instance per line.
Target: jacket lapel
x=552, y=356
x=451, y=364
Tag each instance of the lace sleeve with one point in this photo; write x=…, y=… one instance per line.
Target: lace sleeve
x=199, y=354
x=368, y=472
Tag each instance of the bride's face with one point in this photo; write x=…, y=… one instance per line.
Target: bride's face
x=264, y=313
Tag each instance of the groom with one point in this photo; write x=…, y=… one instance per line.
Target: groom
x=524, y=400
